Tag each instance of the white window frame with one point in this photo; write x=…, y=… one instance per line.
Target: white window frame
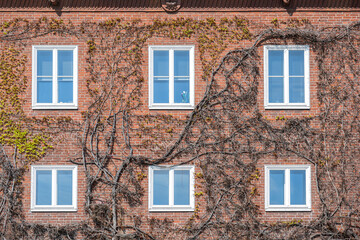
x=171, y=207
x=54, y=104
x=286, y=104
x=287, y=206
x=171, y=104
x=53, y=207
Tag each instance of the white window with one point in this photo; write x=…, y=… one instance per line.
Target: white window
x=53, y=188
x=287, y=188
x=54, y=77
x=286, y=71
x=171, y=188
x=171, y=77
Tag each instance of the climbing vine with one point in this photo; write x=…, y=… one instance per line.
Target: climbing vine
x=228, y=136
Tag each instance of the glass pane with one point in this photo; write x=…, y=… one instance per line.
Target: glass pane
x=277, y=181
x=43, y=187
x=181, y=187
x=161, y=90
x=296, y=63
x=297, y=187
x=161, y=187
x=161, y=63
x=276, y=62
x=64, y=187
x=65, y=92
x=181, y=90
x=181, y=63
x=44, y=90
x=276, y=90
x=44, y=62
x=65, y=62
x=296, y=90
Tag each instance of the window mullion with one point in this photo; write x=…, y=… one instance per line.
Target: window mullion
x=267, y=187
x=33, y=182
x=75, y=77
x=192, y=190
x=53, y=188
x=171, y=187
x=287, y=187
x=286, y=76
x=266, y=76
x=192, y=76
x=55, y=76
x=171, y=76
x=307, y=186
x=151, y=73
x=151, y=186
x=306, y=76
x=35, y=81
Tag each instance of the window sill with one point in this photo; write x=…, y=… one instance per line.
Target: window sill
x=54, y=209
x=287, y=107
x=171, y=209
x=55, y=107
x=288, y=209
x=171, y=107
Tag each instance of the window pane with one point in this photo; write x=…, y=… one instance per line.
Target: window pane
x=65, y=85
x=276, y=63
x=161, y=63
x=161, y=187
x=44, y=63
x=276, y=90
x=65, y=62
x=161, y=90
x=43, y=187
x=181, y=90
x=296, y=63
x=181, y=187
x=297, y=187
x=296, y=90
x=277, y=181
x=64, y=187
x=44, y=90
x=181, y=63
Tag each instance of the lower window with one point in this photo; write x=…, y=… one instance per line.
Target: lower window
x=171, y=188
x=53, y=188
x=287, y=188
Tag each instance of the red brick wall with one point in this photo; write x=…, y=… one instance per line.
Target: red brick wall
x=65, y=149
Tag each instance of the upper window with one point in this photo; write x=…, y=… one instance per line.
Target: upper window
x=54, y=77
x=53, y=188
x=287, y=188
x=171, y=77
x=171, y=188
x=286, y=71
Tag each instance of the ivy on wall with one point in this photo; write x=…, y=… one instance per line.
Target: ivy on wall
x=227, y=134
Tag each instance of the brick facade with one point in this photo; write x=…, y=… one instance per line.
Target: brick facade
x=66, y=148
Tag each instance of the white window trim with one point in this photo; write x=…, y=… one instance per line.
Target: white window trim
x=53, y=207
x=54, y=104
x=286, y=104
x=287, y=206
x=172, y=105
x=171, y=207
